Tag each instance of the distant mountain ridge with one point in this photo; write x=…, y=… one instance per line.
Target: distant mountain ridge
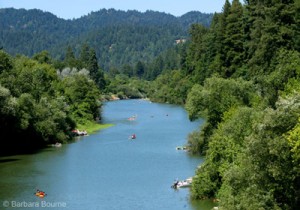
x=118, y=37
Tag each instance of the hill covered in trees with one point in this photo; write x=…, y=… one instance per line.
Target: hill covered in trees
x=242, y=75
x=118, y=37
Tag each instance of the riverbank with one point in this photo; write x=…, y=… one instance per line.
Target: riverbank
x=93, y=127
x=115, y=97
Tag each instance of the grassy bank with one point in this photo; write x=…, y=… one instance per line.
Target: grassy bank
x=92, y=127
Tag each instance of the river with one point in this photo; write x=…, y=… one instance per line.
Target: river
x=106, y=170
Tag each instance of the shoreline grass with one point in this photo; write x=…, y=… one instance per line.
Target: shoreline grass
x=93, y=127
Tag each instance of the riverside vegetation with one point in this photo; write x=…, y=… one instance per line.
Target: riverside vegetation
x=241, y=74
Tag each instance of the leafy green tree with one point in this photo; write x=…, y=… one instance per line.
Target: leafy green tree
x=83, y=96
x=5, y=61
x=274, y=173
x=286, y=66
x=225, y=144
x=171, y=87
x=213, y=99
x=29, y=76
x=43, y=57
x=198, y=140
x=293, y=140
x=51, y=120
x=217, y=96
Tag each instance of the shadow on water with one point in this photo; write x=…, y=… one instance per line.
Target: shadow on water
x=13, y=152
x=8, y=160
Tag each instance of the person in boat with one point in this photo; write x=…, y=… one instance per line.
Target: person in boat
x=133, y=136
x=40, y=193
x=175, y=185
x=132, y=117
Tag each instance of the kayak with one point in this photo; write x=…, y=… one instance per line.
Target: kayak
x=40, y=194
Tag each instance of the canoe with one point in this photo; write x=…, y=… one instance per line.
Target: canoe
x=182, y=183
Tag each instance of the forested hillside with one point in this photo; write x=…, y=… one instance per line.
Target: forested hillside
x=242, y=75
x=118, y=37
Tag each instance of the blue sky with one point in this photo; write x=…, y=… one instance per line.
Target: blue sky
x=69, y=9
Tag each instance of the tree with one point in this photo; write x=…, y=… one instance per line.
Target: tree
x=92, y=64
x=139, y=69
x=5, y=61
x=272, y=27
x=85, y=56
x=70, y=59
x=127, y=70
x=83, y=96
x=286, y=66
x=226, y=143
x=96, y=73
x=29, y=76
x=234, y=39
x=266, y=166
x=297, y=26
x=43, y=57
x=216, y=96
